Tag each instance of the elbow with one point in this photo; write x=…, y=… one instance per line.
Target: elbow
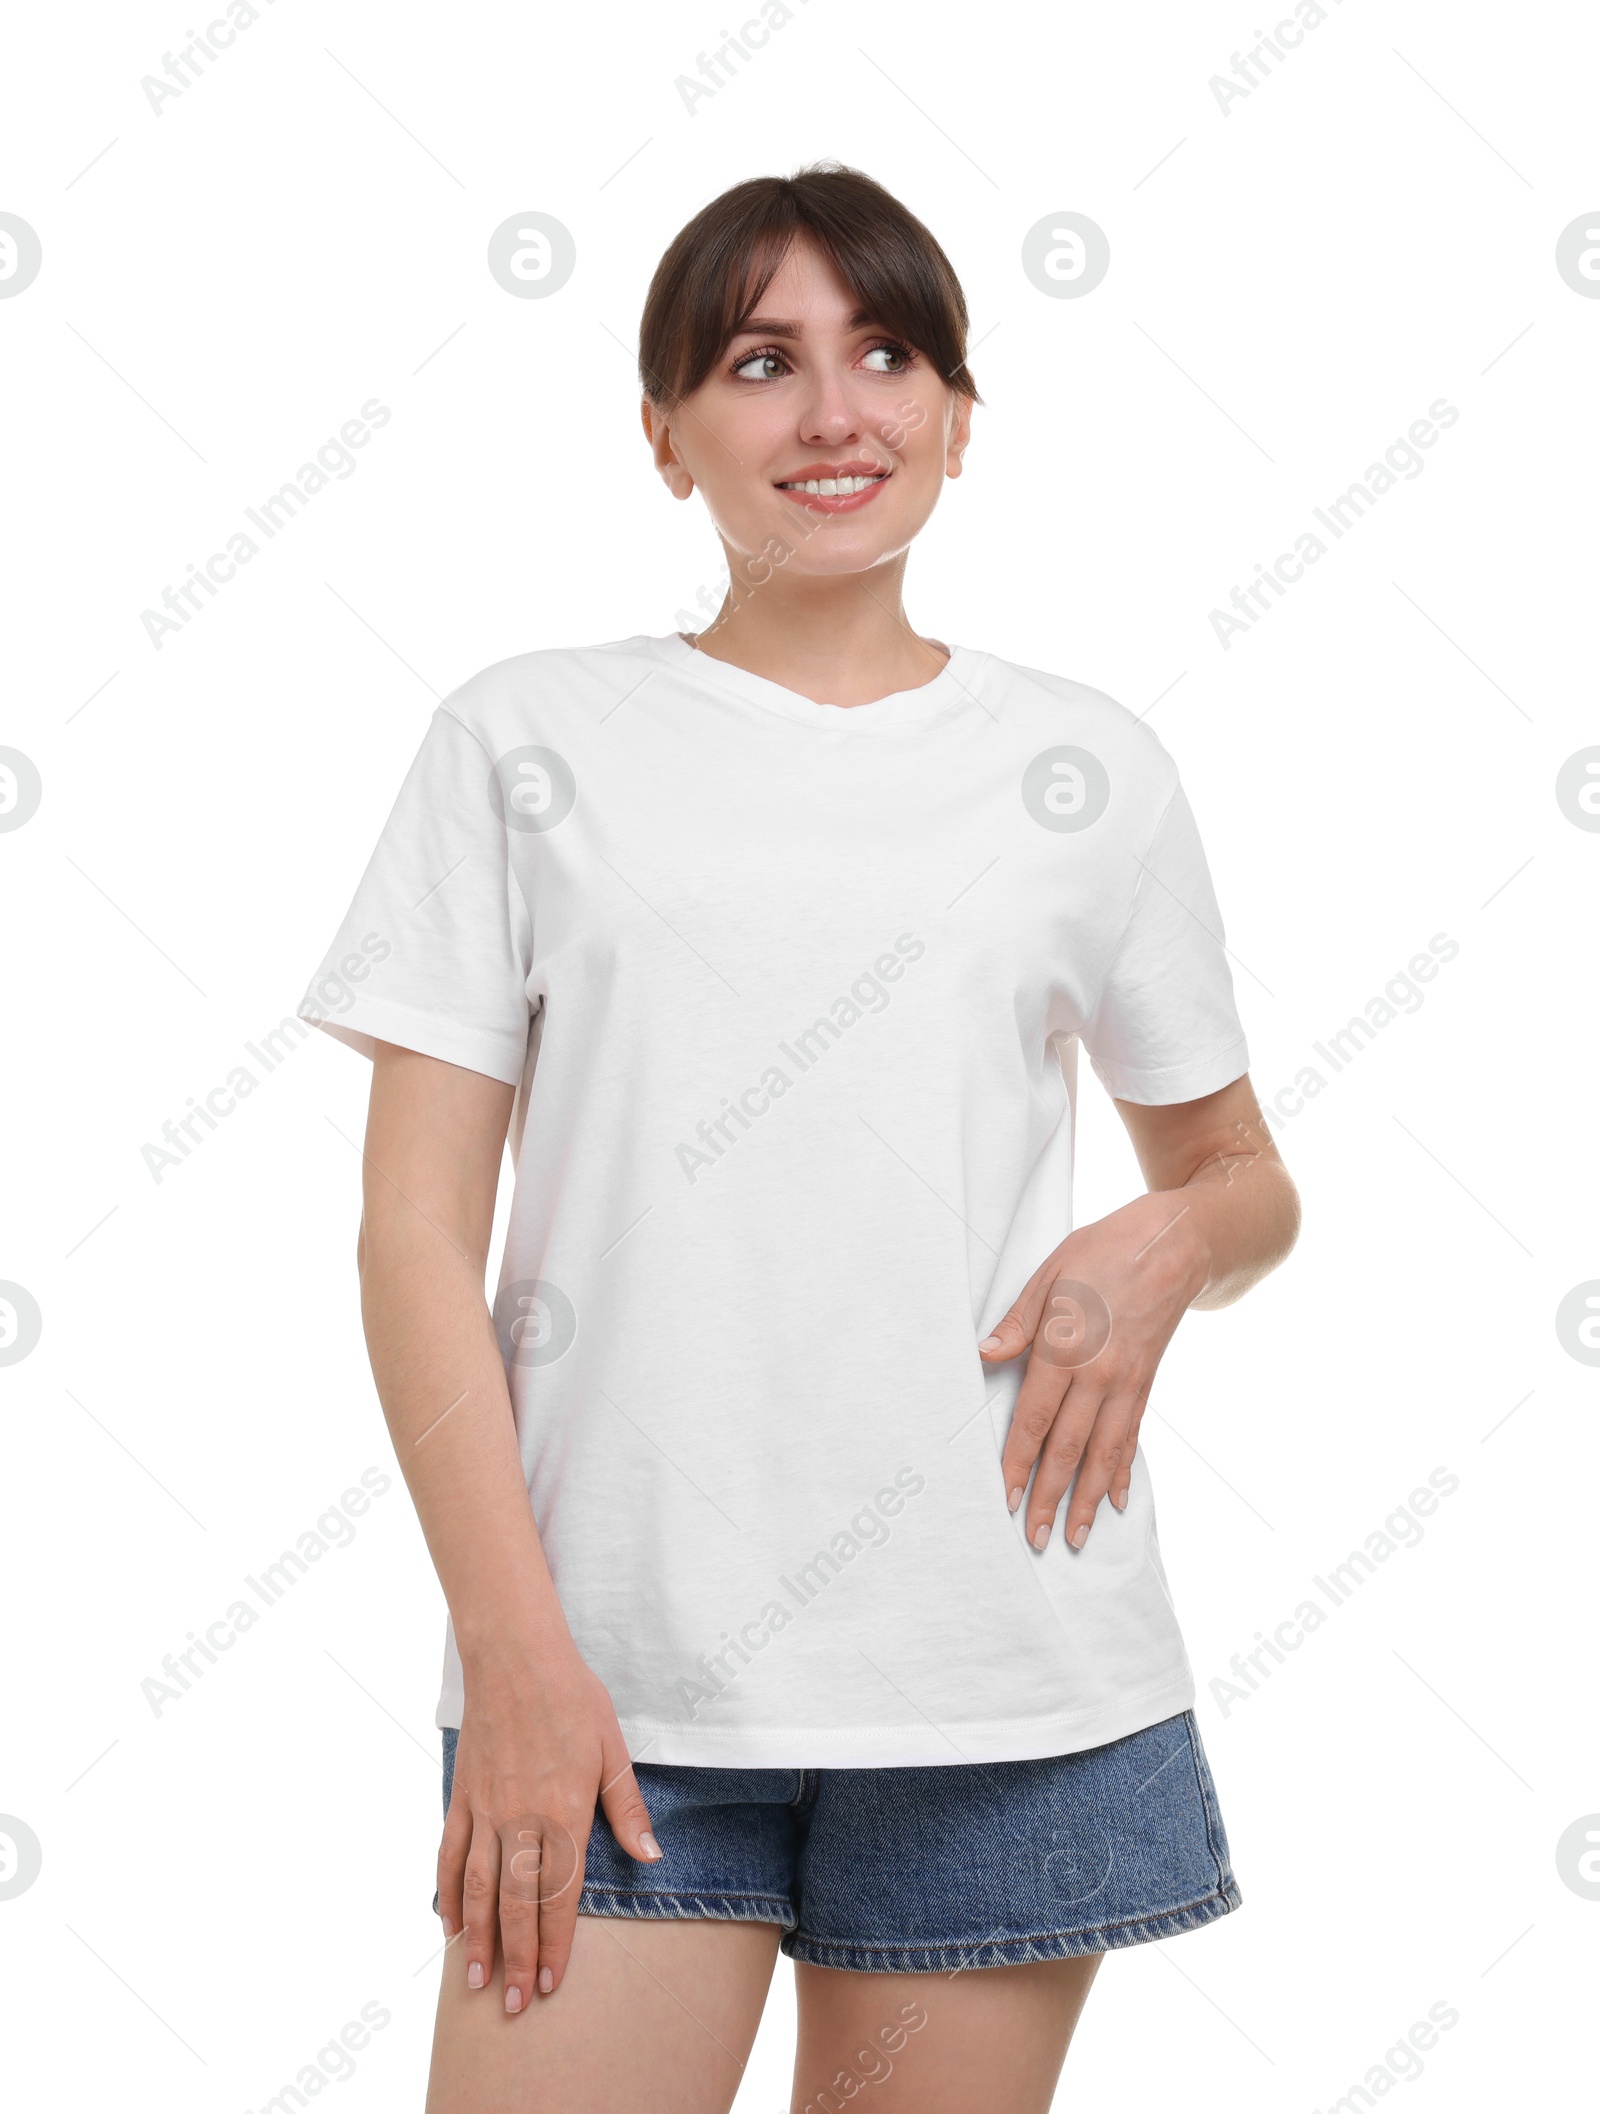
x=1291, y=1221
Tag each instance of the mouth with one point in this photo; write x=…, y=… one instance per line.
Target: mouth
x=838, y=491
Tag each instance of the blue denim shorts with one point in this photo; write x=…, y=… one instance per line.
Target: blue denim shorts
x=931, y=1870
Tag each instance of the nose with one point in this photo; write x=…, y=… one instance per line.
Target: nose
x=831, y=418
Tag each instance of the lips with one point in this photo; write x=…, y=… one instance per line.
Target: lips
x=854, y=495
x=814, y=472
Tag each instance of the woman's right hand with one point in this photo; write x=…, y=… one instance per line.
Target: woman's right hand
x=539, y=1745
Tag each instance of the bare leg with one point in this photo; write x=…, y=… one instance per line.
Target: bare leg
x=650, y=2018
x=990, y=2038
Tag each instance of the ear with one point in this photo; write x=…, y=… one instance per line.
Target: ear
x=658, y=431
x=960, y=434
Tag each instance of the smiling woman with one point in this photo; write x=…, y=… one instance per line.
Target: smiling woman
x=619, y=880
x=713, y=330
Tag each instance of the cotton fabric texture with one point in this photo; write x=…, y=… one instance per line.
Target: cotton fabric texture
x=791, y=995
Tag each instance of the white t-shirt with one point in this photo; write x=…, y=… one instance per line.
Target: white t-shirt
x=791, y=995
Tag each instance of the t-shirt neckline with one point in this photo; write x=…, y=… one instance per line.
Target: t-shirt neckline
x=955, y=684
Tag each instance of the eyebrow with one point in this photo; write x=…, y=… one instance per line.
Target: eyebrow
x=776, y=327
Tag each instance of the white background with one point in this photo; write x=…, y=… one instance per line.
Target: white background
x=1292, y=284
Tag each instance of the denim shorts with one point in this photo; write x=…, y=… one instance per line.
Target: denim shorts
x=930, y=1870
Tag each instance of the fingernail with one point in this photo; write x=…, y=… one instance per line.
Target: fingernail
x=989, y=1343
x=547, y=1981
x=649, y=1845
x=475, y=1975
x=1041, y=1536
x=1015, y=1499
x=1121, y=1501
x=449, y=1927
x=1080, y=1537
x=513, y=1997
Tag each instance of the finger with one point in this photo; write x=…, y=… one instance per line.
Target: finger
x=1058, y=1461
x=1097, y=1467
x=1123, y=1478
x=480, y=1888
x=1072, y=1328
x=528, y=1845
x=453, y=1847
x=560, y=1884
x=1073, y=1315
x=1009, y=1338
x=1041, y=1401
x=623, y=1803
x=1013, y=1332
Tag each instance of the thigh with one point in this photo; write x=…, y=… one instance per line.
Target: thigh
x=652, y=2017
x=962, y=2043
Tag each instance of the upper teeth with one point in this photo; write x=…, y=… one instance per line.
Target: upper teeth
x=835, y=487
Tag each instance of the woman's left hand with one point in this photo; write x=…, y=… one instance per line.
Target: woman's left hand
x=1098, y=1313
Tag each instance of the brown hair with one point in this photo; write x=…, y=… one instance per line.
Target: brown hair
x=711, y=279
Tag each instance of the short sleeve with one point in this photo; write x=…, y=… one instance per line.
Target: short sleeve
x=1164, y=1027
x=434, y=951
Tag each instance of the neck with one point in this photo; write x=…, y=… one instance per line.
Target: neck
x=844, y=641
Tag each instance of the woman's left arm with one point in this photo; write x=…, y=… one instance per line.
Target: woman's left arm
x=1219, y=1213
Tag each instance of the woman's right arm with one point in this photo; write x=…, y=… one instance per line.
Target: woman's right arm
x=539, y=1741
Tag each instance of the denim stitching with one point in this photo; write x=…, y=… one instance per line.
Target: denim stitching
x=603, y=1900
x=628, y=1893
x=1208, y=1805
x=1182, y=1908
x=1042, y=1945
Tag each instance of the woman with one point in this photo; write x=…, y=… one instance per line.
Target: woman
x=797, y=1459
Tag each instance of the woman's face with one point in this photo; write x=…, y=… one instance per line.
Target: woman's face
x=813, y=390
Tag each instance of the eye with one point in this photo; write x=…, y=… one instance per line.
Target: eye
x=758, y=359
x=901, y=352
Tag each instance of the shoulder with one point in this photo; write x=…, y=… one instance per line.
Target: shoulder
x=1041, y=706
x=544, y=690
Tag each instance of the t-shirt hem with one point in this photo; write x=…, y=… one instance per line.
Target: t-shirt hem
x=372, y=1020
x=1173, y=1082
x=892, y=1746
